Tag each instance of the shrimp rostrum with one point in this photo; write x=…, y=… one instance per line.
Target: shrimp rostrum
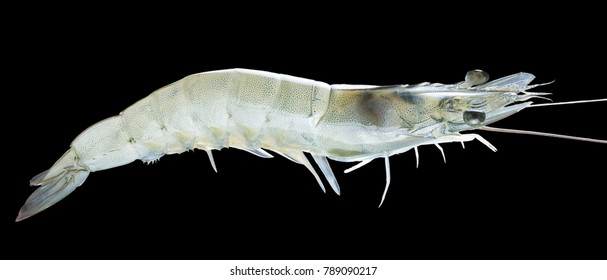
x=259, y=111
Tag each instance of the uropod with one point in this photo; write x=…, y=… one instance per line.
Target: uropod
x=259, y=111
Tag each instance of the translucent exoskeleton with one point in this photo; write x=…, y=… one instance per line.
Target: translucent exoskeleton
x=259, y=111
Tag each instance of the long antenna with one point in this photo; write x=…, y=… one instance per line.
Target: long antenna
x=567, y=102
x=545, y=134
x=536, y=133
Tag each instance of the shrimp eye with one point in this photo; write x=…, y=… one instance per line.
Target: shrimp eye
x=476, y=77
x=474, y=118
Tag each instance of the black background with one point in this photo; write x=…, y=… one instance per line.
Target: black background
x=536, y=198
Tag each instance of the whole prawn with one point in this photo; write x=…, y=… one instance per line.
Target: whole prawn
x=259, y=111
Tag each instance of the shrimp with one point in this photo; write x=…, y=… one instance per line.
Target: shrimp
x=258, y=111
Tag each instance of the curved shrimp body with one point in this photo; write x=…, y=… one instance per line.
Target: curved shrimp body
x=255, y=110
